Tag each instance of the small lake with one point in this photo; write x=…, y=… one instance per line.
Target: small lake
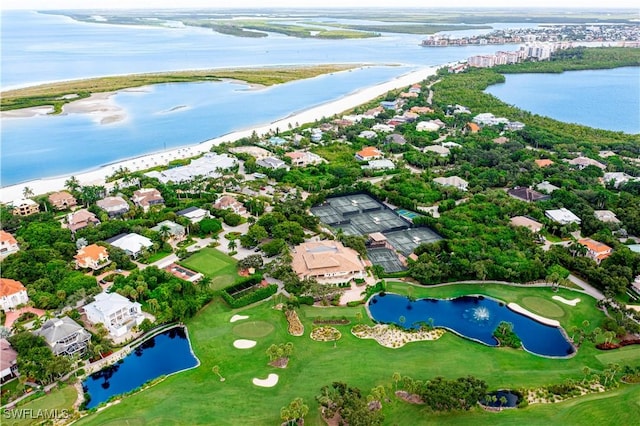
x=163, y=354
x=473, y=317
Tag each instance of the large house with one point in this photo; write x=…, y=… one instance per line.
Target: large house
x=210, y=165
x=114, y=206
x=454, y=181
x=562, y=216
x=92, y=257
x=194, y=214
x=81, y=219
x=526, y=194
x=327, y=262
x=428, y=126
x=147, y=197
x=176, y=231
x=533, y=225
x=545, y=162
x=438, y=149
x=8, y=361
x=8, y=244
x=368, y=153
x=62, y=200
x=133, y=244
x=582, y=162
x=383, y=164
x=117, y=313
x=606, y=216
x=272, y=163
x=303, y=158
x=618, y=179
x=227, y=202
x=64, y=336
x=25, y=207
x=12, y=294
x=595, y=249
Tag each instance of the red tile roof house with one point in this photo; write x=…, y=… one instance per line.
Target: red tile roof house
x=92, y=257
x=8, y=361
x=147, y=197
x=595, y=249
x=62, y=200
x=368, y=153
x=227, y=202
x=12, y=294
x=8, y=244
x=81, y=219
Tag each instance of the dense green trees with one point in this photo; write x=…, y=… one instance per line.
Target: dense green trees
x=36, y=362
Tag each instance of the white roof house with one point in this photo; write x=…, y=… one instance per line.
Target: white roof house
x=132, y=244
x=618, y=178
x=209, y=166
x=427, y=126
x=488, y=119
x=606, y=216
x=438, y=149
x=454, y=181
x=272, y=163
x=383, y=164
x=562, y=216
x=194, y=214
x=546, y=187
x=117, y=313
x=367, y=134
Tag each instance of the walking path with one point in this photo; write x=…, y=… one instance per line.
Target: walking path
x=588, y=288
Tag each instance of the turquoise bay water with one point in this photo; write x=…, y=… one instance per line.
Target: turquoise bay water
x=604, y=99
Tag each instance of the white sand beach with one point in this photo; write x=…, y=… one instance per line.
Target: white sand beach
x=244, y=344
x=107, y=113
x=572, y=302
x=269, y=382
x=238, y=318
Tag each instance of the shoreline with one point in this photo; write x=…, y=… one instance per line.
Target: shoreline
x=97, y=176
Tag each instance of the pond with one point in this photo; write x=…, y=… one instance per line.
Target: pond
x=511, y=399
x=473, y=317
x=166, y=353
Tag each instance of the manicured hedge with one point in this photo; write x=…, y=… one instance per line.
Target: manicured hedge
x=236, y=298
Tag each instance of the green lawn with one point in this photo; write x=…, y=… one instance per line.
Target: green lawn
x=57, y=400
x=198, y=397
x=215, y=265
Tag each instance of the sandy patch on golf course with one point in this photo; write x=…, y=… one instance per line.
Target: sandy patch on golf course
x=572, y=302
x=269, y=382
x=244, y=344
x=238, y=318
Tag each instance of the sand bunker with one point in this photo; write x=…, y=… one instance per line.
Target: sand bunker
x=572, y=302
x=269, y=382
x=244, y=344
x=238, y=318
x=519, y=309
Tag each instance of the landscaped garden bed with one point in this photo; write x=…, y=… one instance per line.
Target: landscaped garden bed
x=325, y=334
x=394, y=337
x=330, y=321
x=295, y=326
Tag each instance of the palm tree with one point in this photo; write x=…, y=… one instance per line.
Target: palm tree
x=27, y=192
x=164, y=232
x=232, y=245
x=396, y=378
x=216, y=370
x=585, y=371
x=72, y=184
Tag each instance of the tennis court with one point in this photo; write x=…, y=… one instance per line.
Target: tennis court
x=406, y=241
x=386, y=258
x=408, y=214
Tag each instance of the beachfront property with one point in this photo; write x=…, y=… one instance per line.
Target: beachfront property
x=210, y=165
x=368, y=153
x=8, y=244
x=133, y=244
x=395, y=104
x=24, y=207
x=383, y=164
x=227, y=202
x=455, y=181
x=303, y=158
x=595, y=249
x=194, y=214
x=527, y=194
x=272, y=163
x=176, y=232
x=254, y=151
x=146, y=198
x=92, y=257
x=114, y=206
x=618, y=179
x=438, y=149
x=546, y=187
x=8, y=361
x=62, y=200
x=488, y=119
x=533, y=225
x=64, y=336
x=582, y=162
x=327, y=262
x=606, y=216
x=12, y=294
x=117, y=313
x=562, y=216
x=80, y=219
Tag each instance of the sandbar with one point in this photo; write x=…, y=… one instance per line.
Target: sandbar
x=27, y=112
x=244, y=344
x=572, y=302
x=238, y=318
x=269, y=382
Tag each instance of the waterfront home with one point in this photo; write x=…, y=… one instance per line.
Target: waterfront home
x=8, y=244
x=455, y=181
x=62, y=200
x=606, y=216
x=12, y=294
x=546, y=187
x=8, y=361
x=395, y=104
x=303, y=158
x=277, y=140
x=146, y=198
x=194, y=214
x=562, y=216
x=488, y=119
x=81, y=219
x=327, y=262
x=618, y=179
x=533, y=225
x=383, y=164
x=133, y=244
x=117, y=313
x=254, y=151
x=545, y=162
x=438, y=149
x=176, y=231
x=409, y=95
x=595, y=249
x=92, y=257
x=24, y=207
x=210, y=165
x=582, y=162
x=527, y=194
x=368, y=153
x=272, y=163
x=64, y=336
x=114, y=206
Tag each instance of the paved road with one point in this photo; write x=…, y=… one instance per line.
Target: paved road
x=586, y=287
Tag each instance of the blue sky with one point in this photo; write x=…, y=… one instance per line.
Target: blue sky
x=433, y=4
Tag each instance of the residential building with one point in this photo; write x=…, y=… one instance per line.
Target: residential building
x=595, y=249
x=514, y=126
x=133, y=244
x=64, y=336
x=8, y=244
x=81, y=219
x=327, y=261
x=12, y=294
x=272, y=163
x=8, y=361
x=303, y=158
x=428, y=126
x=606, y=216
x=454, y=181
x=533, y=225
x=367, y=134
x=194, y=214
x=472, y=128
x=546, y=187
x=562, y=216
x=176, y=231
x=147, y=197
x=500, y=140
x=254, y=151
x=582, y=162
x=62, y=200
x=618, y=179
x=92, y=257
x=527, y=194
x=114, y=206
x=383, y=164
x=438, y=149
x=390, y=104
x=396, y=138
x=636, y=284
x=368, y=153
x=450, y=145
x=383, y=128
x=117, y=313
x=210, y=165
x=25, y=207
x=545, y=162
x=421, y=110
x=488, y=119
x=277, y=140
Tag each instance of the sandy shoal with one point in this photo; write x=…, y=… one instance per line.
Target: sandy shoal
x=96, y=104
